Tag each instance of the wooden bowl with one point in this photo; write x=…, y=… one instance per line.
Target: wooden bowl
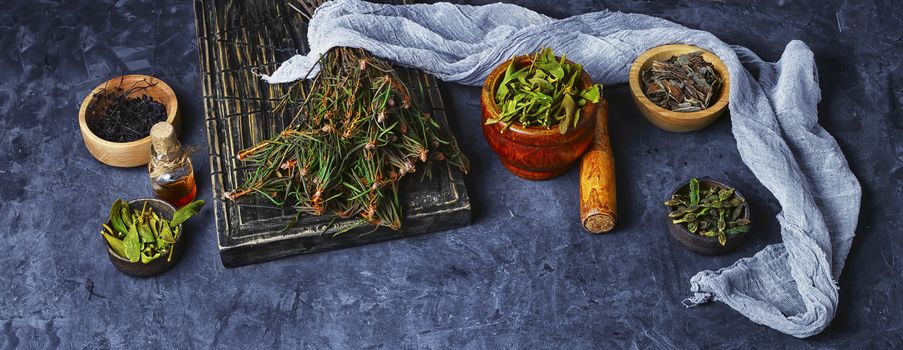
x=667, y=119
x=698, y=243
x=159, y=265
x=535, y=153
x=127, y=154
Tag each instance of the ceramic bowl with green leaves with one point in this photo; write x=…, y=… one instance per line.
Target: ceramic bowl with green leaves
x=144, y=236
x=707, y=216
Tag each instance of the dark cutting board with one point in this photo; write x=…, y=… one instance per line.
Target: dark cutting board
x=236, y=38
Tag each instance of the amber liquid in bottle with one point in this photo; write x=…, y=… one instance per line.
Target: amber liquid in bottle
x=179, y=192
x=170, y=170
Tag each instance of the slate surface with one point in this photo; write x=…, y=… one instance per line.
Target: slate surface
x=523, y=275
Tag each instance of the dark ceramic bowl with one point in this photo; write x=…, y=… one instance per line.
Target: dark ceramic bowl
x=535, y=153
x=159, y=265
x=698, y=243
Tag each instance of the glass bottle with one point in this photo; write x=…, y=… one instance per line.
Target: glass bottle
x=170, y=170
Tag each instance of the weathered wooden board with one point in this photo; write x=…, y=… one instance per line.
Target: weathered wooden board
x=234, y=39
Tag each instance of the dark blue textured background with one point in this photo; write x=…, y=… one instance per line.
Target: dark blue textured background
x=522, y=275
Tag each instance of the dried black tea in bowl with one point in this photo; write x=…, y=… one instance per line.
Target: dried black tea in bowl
x=683, y=83
x=119, y=116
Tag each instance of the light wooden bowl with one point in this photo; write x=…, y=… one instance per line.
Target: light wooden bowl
x=135, y=153
x=667, y=119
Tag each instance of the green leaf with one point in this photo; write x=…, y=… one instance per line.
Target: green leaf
x=693, y=226
x=147, y=259
x=144, y=231
x=737, y=230
x=509, y=72
x=722, y=239
x=126, y=216
x=166, y=233
x=569, y=106
x=545, y=85
x=132, y=245
x=694, y=191
x=186, y=212
x=724, y=194
x=592, y=94
x=578, y=70
x=115, y=244
x=116, y=216
x=553, y=68
x=563, y=125
x=154, y=224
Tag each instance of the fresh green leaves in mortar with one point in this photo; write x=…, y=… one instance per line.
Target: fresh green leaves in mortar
x=142, y=235
x=544, y=93
x=710, y=212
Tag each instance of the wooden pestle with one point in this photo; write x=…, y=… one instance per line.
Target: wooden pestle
x=598, y=202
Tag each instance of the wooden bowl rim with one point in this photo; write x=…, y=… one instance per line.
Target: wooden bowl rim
x=140, y=200
x=489, y=93
x=634, y=82
x=717, y=183
x=172, y=108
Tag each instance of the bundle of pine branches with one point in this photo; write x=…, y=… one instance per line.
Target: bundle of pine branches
x=358, y=131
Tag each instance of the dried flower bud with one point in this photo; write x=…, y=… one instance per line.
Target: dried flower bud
x=326, y=128
x=381, y=117
x=288, y=164
x=370, y=146
x=363, y=64
x=423, y=154
x=406, y=102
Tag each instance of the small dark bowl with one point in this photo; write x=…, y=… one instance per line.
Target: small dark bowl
x=698, y=243
x=159, y=265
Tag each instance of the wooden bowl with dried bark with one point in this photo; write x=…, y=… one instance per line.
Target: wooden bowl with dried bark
x=671, y=120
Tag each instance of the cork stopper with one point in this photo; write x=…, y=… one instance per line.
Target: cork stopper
x=163, y=138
